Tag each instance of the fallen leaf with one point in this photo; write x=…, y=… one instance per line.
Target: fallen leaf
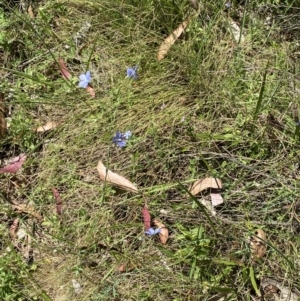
x=91, y=91
x=236, y=32
x=146, y=217
x=275, y=290
x=64, y=70
x=48, y=126
x=58, y=201
x=14, y=165
x=30, y=12
x=257, y=245
x=126, y=267
x=170, y=40
x=77, y=287
x=113, y=178
x=23, y=208
x=216, y=199
x=194, y=4
x=3, y=125
x=13, y=229
x=208, y=206
x=203, y=184
x=164, y=232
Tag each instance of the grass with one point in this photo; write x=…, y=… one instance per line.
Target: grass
x=237, y=101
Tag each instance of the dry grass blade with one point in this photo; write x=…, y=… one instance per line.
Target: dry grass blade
x=113, y=178
x=170, y=40
x=206, y=183
x=48, y=126
x=3, y=126
x=23, y=208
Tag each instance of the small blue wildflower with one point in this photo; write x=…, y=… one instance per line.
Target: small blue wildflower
x=85, y=79
x=132, y=72
x=183, y=119
x=227, y=4
x=152, y=231
x=127, y=134
x=120, y=139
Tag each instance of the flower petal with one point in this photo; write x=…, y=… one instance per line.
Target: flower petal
x=88, y=76
x=83, y=84
x=82, y=77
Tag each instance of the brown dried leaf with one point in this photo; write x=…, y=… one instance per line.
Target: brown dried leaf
x=30, y=12
x=170, y=40
x=203, y=184
x=58, y=201
x=48, y=126
x=13, y=229
x=216, y=199
x=3, y=126
x=23, y=208
x=91, y=91
x=63, y=69
x=164, y=232
x=194, y=4
x=275, y=290
x=257, y=245
x=113, y=178
x=236, y=32
x=126, y=267
x=146, y=217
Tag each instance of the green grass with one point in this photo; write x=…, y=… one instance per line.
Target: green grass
x=237, y=101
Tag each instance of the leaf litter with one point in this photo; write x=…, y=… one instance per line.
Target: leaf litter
x=14, y=164
x=113, y=178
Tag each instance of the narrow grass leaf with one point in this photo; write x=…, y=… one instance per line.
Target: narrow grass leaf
x=3, y=125
x=113, y=178
x=253, y=281
x=261, y=94
x=170, y=40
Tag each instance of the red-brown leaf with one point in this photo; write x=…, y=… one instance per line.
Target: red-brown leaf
x=64, y=70
x=14, y=165
x=58, y=201
x=146, y=217
x=91, y=91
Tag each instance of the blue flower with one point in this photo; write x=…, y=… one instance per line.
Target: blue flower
x=127, y=134
x=152, y=231
x=298, y=123
x=85, y=79
x=132, y=72
x=120, y=139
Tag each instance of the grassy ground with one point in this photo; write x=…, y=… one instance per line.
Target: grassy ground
x=211, y=107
